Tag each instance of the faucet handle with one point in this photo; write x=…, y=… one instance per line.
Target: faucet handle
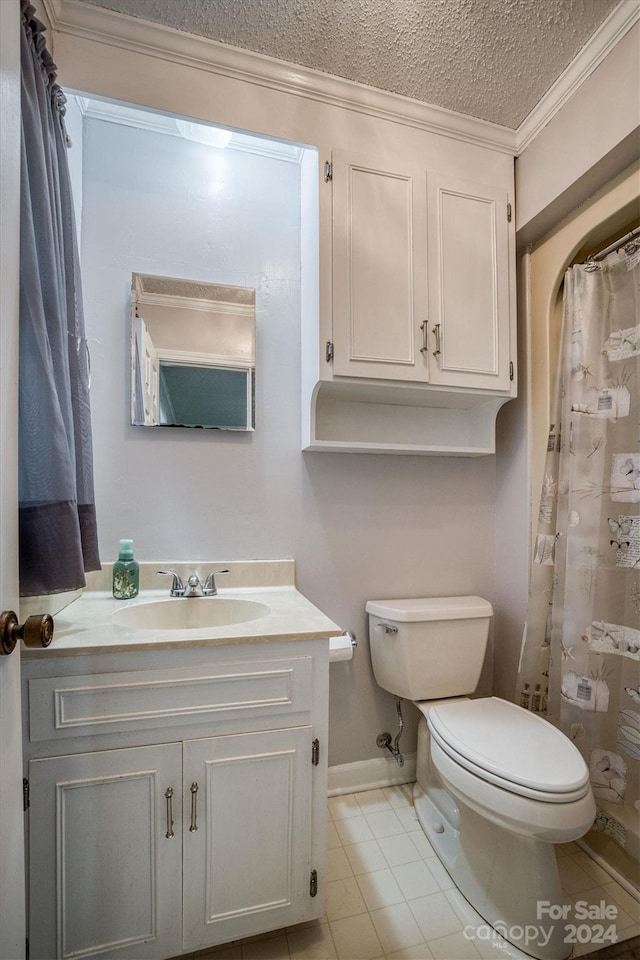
x=210, y=589
x=178, y=588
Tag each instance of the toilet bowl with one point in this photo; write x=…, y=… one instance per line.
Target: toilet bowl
x=496, y=786
x=511, y=766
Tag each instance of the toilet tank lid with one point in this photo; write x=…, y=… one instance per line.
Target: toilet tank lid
x=430, y=608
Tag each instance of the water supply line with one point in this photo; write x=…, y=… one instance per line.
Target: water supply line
x=384, y=739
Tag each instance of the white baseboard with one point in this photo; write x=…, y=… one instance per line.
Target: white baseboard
x=370, y=774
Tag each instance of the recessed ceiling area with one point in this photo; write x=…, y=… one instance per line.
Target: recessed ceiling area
x=489, y=59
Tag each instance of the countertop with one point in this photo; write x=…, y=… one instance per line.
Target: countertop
x=86, y=625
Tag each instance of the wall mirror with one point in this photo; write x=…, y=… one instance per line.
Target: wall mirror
x=193, y=347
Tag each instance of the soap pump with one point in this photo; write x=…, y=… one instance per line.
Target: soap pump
x=126, y=573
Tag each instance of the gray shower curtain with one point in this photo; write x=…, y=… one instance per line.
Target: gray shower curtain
x=58, y=537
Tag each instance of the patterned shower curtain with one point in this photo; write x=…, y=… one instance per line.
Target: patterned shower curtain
x=581, y=658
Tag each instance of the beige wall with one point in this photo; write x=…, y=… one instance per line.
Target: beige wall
x=593, y=138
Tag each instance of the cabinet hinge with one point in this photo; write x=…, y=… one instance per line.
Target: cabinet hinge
x=315, y=752
x=26, y=795
x=313, y=884
x=511, y=370
x=329, y=352
x=328, y=171
x=509, y=213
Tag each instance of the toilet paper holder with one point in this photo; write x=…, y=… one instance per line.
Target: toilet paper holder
x=342, y=647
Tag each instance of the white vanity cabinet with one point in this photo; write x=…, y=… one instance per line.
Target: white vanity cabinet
x=177, y=806
x=419, y=354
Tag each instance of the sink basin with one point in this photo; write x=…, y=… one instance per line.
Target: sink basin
x=193, y=613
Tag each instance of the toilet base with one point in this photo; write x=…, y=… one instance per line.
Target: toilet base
x=504, y=876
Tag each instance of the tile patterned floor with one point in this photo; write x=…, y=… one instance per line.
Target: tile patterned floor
x=389, y=898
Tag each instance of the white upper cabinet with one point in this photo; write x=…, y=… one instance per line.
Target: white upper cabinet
x=468, y=284
x=417, y=334
x=420, y=276
x=379, y=288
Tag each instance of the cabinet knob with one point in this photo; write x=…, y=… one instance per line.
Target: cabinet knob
x=36, y=631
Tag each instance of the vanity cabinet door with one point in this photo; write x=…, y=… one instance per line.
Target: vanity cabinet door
x=247, y=834
x=379, y=268
x=105, y=879
x=469, y=319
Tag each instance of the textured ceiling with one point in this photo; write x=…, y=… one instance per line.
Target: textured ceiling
x=491, y=59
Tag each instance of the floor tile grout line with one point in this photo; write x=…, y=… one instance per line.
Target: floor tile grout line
x=351, y=802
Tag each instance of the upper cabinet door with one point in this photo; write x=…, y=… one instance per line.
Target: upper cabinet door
x=379, y=278
x=468, y=284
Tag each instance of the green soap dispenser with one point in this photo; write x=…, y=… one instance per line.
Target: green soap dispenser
x=126, y=573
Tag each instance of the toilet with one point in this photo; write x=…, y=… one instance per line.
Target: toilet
x=497, y=785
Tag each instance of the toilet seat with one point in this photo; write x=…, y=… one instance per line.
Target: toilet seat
x=509, y=747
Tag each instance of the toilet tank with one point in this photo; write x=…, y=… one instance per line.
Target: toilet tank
x=428, y=648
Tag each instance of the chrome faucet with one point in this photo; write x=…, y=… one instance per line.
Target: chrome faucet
x=193, y=587
x=178, y=588
x=210, y=589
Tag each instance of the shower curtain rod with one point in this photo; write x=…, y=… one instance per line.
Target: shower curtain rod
x=614, y=246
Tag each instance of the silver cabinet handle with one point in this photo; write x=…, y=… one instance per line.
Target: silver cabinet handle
x=169, y=799
x=194, y=807
x=423, y=327
x=436, y=331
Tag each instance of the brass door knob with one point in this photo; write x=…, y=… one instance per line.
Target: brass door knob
x=36, y=631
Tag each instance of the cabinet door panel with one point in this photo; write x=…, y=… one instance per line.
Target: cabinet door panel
x=247, y=864
x=379, y=300
x=104, y=878
x=469, y=284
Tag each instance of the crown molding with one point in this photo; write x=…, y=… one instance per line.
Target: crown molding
x=111, y=112
x=156, y=40
x=212, y=307
x=621, y=19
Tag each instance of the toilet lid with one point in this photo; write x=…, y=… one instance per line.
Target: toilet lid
x=506, y=743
